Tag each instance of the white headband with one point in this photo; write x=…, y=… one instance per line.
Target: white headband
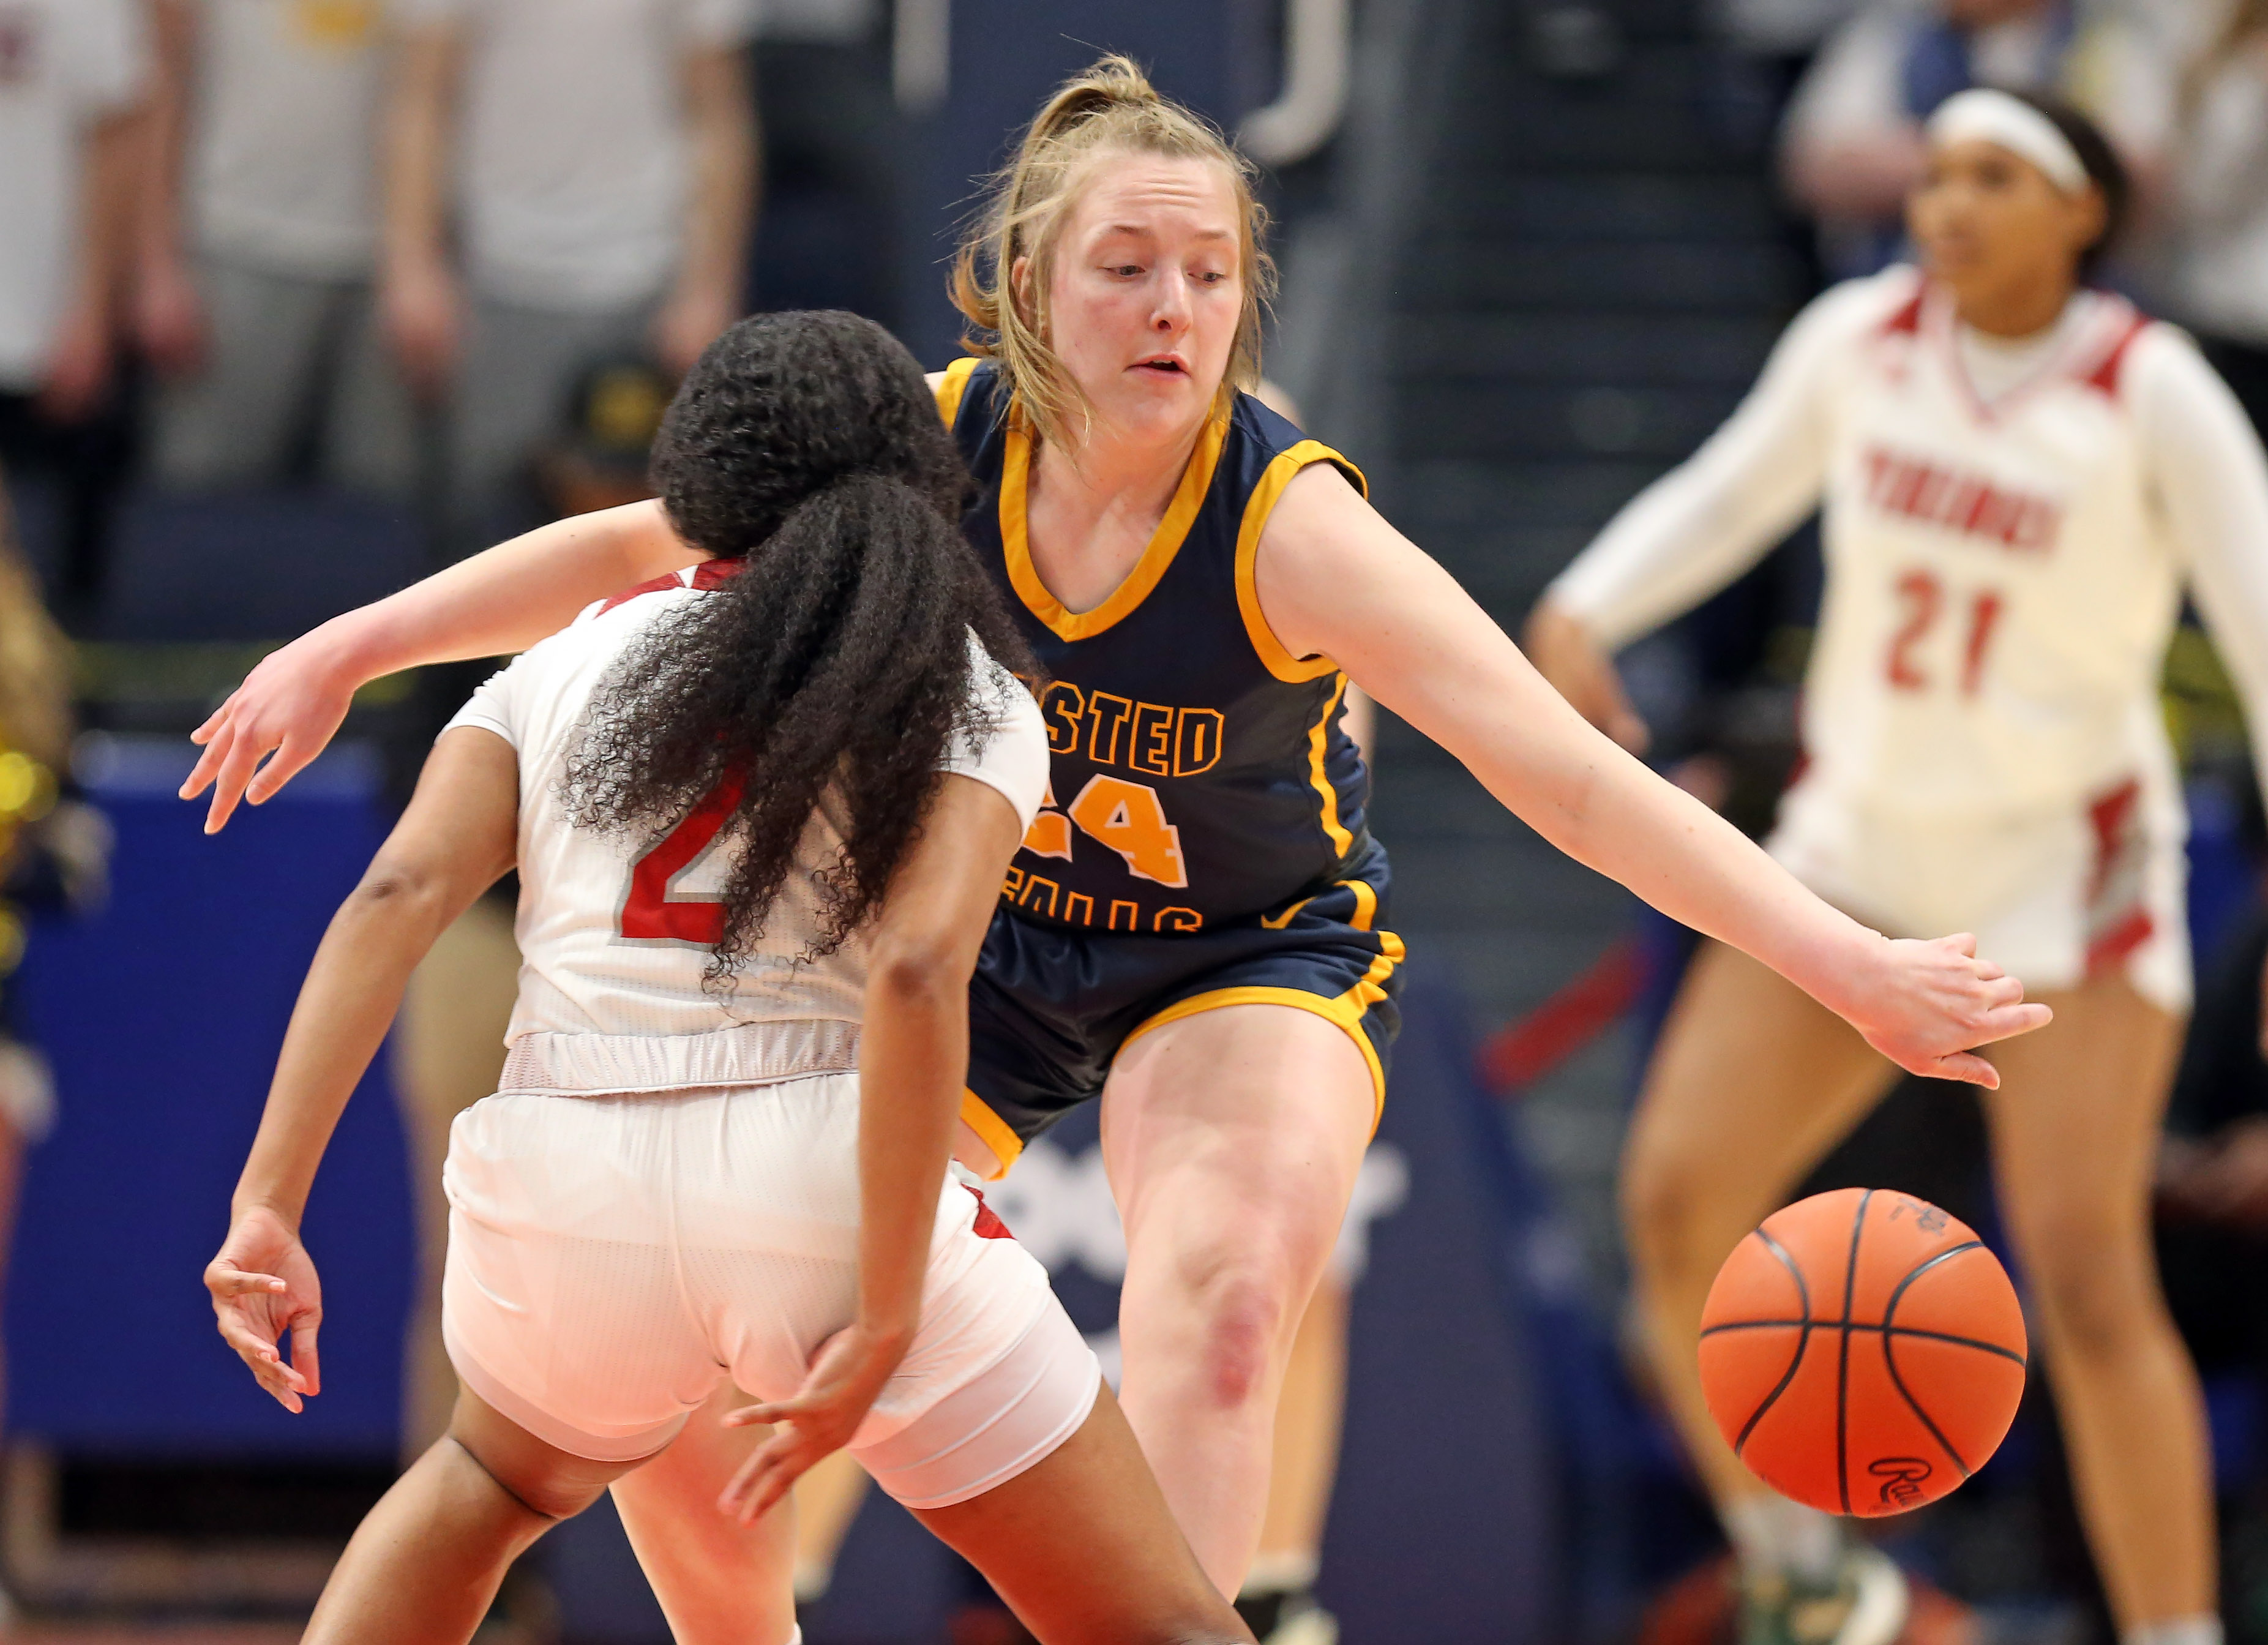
x=1988, y=116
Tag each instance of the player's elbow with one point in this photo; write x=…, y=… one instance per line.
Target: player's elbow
x=401, y=888
x=918, y=971
x=1851, y=177
x=1564, y=809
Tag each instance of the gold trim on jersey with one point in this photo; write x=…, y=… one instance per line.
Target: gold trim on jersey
x=1366, y=908
x=955, y=384
x=1345, y=1010
x=1319, y=743
x=997, y=1134
x=1279, y=473
x=1165, y=542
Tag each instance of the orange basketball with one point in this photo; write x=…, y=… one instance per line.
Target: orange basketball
x=1862, y=1352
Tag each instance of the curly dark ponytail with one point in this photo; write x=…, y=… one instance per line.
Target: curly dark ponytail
x=835, y=664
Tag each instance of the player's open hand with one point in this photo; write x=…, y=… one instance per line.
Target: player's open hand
x=1565, y=654
x=847, y=1375
x=291, y=706
x=263, y=1284
x=1931, y=1004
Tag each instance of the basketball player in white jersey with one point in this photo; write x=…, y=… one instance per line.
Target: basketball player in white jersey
x=2021, y=476
x=760, y=810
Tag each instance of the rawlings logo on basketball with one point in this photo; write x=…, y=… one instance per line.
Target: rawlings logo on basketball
x=1902, y=1478
x=1927, y=1217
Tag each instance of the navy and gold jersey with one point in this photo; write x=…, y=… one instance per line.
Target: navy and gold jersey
x=1200, y=774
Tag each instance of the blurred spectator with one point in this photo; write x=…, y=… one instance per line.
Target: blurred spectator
x=1852, y=147
x=1769, y=46
x=258, y=237
x=598, y=457
x=2214, y=276
x=597, y=178
x=54, y=849
x=72, y=74
x=1775, y=42
x=834, y=150
x=1781, y=28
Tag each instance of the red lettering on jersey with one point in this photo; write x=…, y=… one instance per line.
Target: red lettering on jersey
x=1915, y=488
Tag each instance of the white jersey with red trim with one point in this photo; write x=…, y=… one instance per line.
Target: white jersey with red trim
x=616, y=934
x=2009, y=529
x=2003, y=572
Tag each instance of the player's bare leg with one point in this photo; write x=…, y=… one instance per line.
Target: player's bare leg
x=1753, y=1082
x=709, y=1572
x=1306, y=1457
x=1083, y=1549
x=1232, y=1139
x=425, y=1565
x=1303, y=1467
x=827, y=1501
x=2075, y=1136
x=719, y=1582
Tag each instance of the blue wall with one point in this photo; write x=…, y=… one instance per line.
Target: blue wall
x=163, y=1017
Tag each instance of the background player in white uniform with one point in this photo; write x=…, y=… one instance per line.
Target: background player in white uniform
x=2019, y=477
x=745, y=895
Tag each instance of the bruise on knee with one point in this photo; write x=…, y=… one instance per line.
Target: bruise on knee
x=1243, y=1333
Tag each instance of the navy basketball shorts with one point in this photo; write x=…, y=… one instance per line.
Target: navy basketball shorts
x=1050, y=1008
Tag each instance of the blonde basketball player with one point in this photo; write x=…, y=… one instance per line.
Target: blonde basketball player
x=2019, y=477
x=1195, y=929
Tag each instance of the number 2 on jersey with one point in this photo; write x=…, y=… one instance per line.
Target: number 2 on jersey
x=1923, y=597
x=650, y=913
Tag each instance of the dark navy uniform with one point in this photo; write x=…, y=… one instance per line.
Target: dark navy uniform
x=1203, y=841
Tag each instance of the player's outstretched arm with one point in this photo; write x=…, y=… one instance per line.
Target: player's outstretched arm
x=1334, y=578
x=501, y=600
x=454, y=840
x=913, y=1045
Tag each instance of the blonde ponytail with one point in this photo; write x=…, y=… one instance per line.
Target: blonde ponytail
x=1112, y=107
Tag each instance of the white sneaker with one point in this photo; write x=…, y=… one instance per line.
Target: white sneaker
x=1866, y=1604
x=1311, y=1625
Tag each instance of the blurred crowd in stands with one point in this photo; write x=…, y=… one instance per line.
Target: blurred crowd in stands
x=396, y=246
x=403, y=247
x=2181, y=87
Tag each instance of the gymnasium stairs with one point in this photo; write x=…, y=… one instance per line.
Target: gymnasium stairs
x=1584, y=273
x=1580, y=274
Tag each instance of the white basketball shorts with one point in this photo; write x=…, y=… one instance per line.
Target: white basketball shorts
x=2055, y=898
x=612, y=1258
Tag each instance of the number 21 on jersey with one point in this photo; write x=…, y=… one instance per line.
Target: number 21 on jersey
x=1923, y=600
